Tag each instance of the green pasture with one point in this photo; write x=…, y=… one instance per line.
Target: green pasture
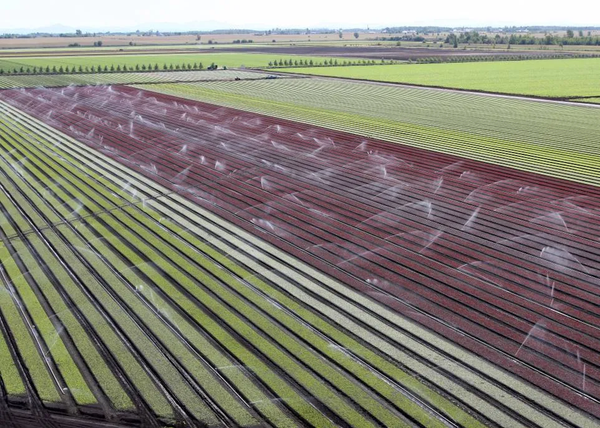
x=562, y=78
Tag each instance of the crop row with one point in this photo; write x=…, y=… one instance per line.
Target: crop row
x=551, y=139
x=502, y=262
x=116, y=308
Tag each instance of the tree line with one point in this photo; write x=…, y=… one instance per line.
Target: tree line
x=326, y=63
x=106, y=68
x=473, y=37
x=406, y=38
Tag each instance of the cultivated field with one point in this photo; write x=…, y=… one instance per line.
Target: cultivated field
x=59, y=42
x=229, y=60
x=558, y=78
x=252, y=296
x=377, y=52
x=229, y=249
x=146, y=305
x=551, y=139
x=18, y=81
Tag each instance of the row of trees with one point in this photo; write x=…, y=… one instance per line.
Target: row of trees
x=106, y=69
x=406, y=38
x=473, y=37
x=327, y=63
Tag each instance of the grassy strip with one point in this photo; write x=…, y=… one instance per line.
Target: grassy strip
x=586, y=100
x=11, y=307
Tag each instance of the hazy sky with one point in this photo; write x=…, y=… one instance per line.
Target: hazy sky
x=305, y=13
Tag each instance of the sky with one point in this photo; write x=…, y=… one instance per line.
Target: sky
x=142, y=14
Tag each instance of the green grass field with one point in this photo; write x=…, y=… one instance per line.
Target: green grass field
x=563, y=78
x=221, y=59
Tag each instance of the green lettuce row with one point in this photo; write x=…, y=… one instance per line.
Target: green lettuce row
x=111, y=175
x=13, y=310
x=193, y=403
x=102, y=374
x=262, y=297
x=50, y=332
x=127, y=292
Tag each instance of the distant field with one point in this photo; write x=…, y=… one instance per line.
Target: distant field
x=124, y=40
x=221, y=59
x=548, y=78
x=8, y=82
